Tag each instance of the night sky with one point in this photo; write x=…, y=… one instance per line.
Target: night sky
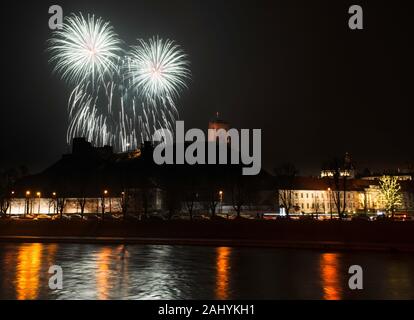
x=292, y=68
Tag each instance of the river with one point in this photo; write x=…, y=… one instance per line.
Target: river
x=191, y=272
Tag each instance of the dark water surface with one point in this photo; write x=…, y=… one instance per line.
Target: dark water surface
x=186, y=272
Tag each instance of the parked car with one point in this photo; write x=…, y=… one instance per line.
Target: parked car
x=43, y=217
x=76, y=217
x=133, y=217
x=402, y=216
x=63, y=217
x=92, y=217
x=361, y=217
x=26, y=217
x=198, y=217
x=179, y=217
x=112, y=216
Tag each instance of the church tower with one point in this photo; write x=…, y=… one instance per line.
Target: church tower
x=216, y=124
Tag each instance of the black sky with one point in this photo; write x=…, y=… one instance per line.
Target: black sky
x=291, y=68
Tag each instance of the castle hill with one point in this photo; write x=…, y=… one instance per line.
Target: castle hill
x=94, y=192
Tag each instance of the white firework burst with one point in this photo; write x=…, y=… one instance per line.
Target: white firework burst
x=85, y=49
x=117, y=100
x=157, y=69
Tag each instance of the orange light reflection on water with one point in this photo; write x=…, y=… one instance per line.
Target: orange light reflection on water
x=102, y=282
x=329, y=269
x=223, y=269
x=28, y=271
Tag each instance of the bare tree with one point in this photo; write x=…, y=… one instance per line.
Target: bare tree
x=125, y=197
x=103, y=201
x=145, y=200
x=82, y=203
x=4, y=203
x=242, y=190
x=190, y=189
x=213, y=200
x=190, y=200
x=81, y=182
x=318, y=205
x=7, y=180
x=61, y=204
x=285, y=178
x=339, y=185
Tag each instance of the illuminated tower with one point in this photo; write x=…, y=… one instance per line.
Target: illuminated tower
x=216, y=124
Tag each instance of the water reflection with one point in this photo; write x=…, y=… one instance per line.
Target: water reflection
x=222, y=269
x=102, y=274
x=329, y=269
x=28, y=271
x=183, y=272
x=397, y=274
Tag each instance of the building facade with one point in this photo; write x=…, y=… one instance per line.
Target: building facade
x=317, y=195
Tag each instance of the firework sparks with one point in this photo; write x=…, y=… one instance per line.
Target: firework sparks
x=84, y=49
x=117, y=100
x=157, y=68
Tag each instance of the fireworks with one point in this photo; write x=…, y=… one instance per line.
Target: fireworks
x=84, y=49
x=118, y=98
x=157, y=68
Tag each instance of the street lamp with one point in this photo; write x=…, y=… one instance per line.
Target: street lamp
x=54, y=202
x=11, y=201
x=38, y=194
x=27, y=202
x=123, y=204
x=221, y=201
x=105, y=194
x=330, y=201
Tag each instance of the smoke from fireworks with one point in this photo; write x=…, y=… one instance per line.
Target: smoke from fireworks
x=118, y=98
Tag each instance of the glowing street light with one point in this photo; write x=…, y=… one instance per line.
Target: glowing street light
x=27, y=202
x=11, y=202
x=54, y=202
x=38, y=194
x=221, y=200
x=105, y=194
x=330, y=201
